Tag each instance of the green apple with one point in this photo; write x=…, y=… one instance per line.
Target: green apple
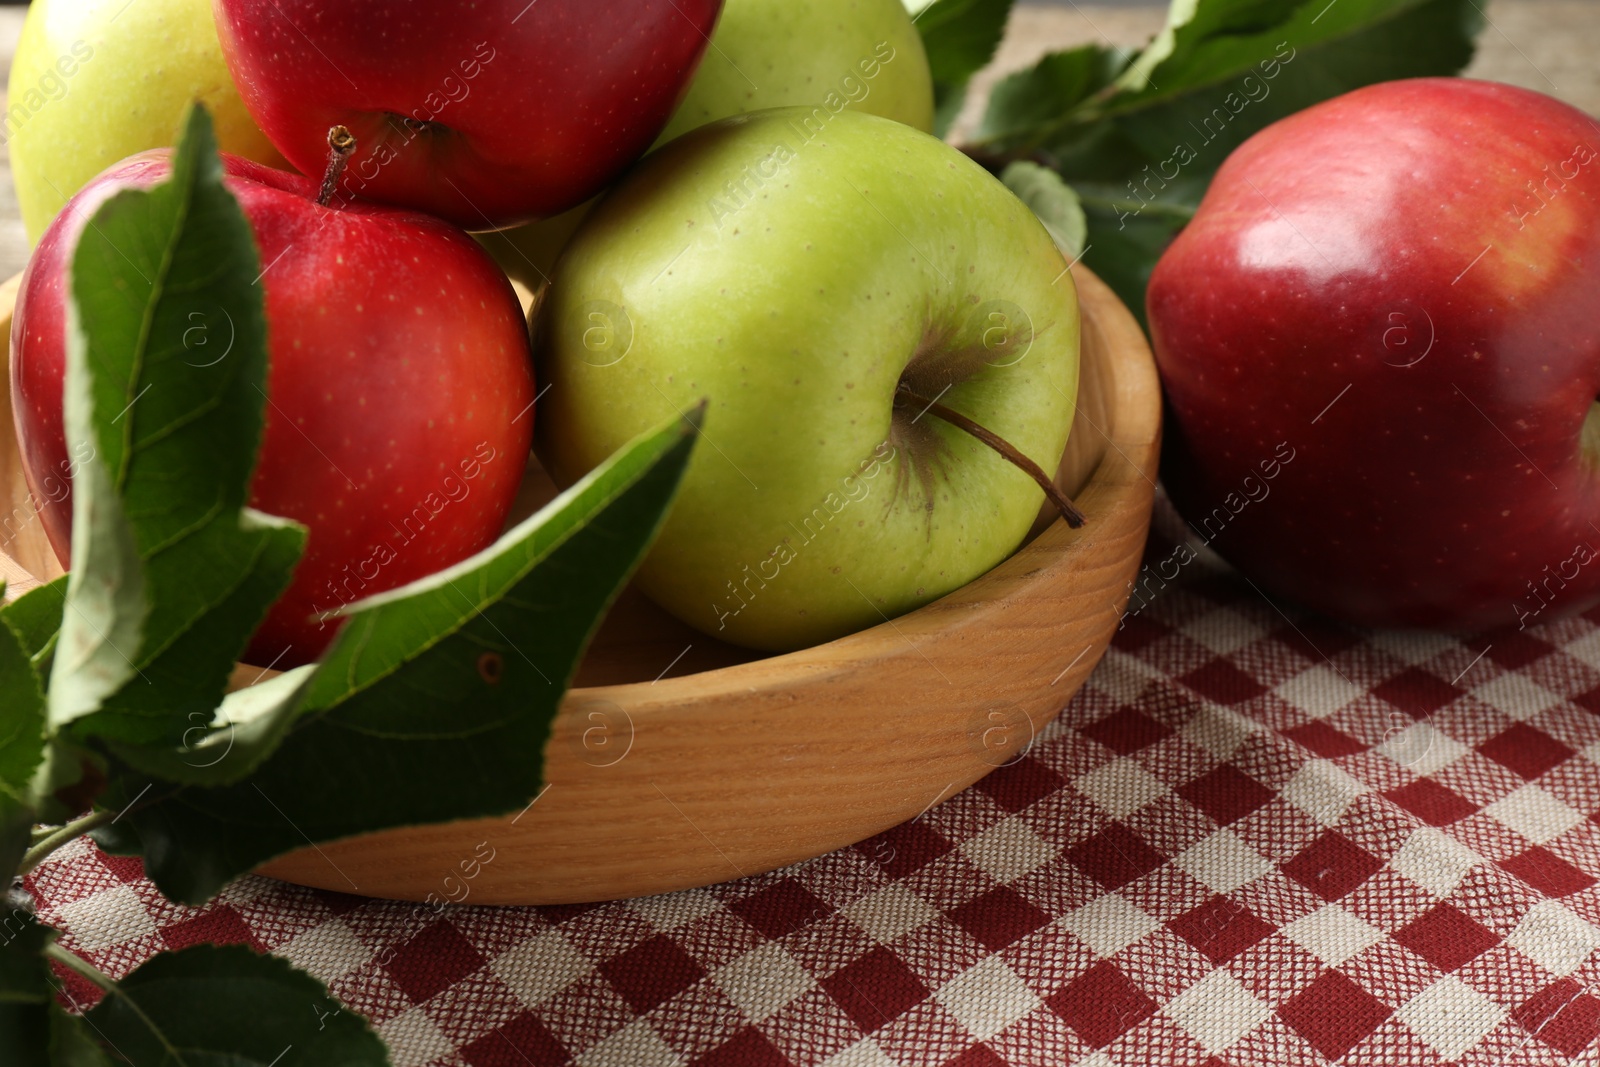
x=95, y=81
x=859, y=54
x=864, y=54
x=799, y=269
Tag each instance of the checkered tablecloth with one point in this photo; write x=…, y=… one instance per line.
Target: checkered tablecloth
x=1254, y=838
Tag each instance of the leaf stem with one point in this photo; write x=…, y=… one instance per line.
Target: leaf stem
x=80, y=967
x=1010, y=452
x=55, y=839
x=108, y=985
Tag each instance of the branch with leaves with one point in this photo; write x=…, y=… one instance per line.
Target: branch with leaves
x=116, y=677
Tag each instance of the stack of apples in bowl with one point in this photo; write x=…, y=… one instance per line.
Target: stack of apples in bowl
x=874, y=585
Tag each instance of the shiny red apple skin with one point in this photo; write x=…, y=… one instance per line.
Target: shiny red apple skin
x=531, y=108
x=1402, y=286
x=399, y=382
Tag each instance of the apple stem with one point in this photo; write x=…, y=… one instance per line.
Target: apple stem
x=1008, y=451
x=341, y=146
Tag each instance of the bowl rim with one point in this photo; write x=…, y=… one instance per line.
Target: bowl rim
x=742, y=769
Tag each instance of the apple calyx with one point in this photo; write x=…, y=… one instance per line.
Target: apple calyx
x=341, y=146
x=1009, y=452
x=415, y=127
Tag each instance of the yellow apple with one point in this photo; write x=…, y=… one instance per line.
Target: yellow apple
x=95, y=81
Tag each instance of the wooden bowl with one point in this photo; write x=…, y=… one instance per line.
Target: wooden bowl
x=679, y=761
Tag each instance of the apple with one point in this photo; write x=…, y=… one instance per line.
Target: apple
x=859, y=54
x=486, y=114
x=95, y=81
x=1389, y=301
x=399, y=389
x=800, y=268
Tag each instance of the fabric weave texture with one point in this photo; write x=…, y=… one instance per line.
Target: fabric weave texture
x=1254, y=838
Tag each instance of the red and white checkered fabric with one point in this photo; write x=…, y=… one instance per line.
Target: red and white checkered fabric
x=1253, y=839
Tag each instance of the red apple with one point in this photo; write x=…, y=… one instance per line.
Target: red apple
x=488, y=114
x=399, y=384
x=1398, y=290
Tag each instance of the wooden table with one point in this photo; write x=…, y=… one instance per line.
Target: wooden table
x=1548, y=45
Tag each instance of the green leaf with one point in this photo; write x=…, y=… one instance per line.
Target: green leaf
x=22, y=738
x=35, y=616
x=226, y=1006
x=1051, y=88
x=34, y=1031
x=24, y=991
x=1053, y=201
x=226, y=747
x=1140, y=141
x=435, y=701
x=961, y=36
x=1191, y=27
x=1125, y=238
x=71, y=1044
x=173, y=571
x=1228, y=76
x=16, y=833
x=1224, y=69
x=25, y=1035
x=947, y=103
x=24, y=978
x=43, y=1035
x=67, y=783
